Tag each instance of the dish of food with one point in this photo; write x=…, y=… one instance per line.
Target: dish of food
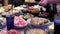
x=2, y=10
x=27, y=15
x=38, y=21
x=7, y=7
x=3, y=32
x=30, y=1
x=33, y=10
x=19, y=8
x=9, y=32
x=23, y=6
x=14, y=32
x=19, y=22
x=35, y=31
x=15, y=11
x=2, y=22
x=4, y=13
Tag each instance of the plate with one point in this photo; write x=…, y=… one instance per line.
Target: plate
x=47, y=24
x=2, y=25
x=19, y=22
x=45, y=30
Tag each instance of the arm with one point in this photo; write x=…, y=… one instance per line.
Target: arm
x=44, y=2
x=54, y=1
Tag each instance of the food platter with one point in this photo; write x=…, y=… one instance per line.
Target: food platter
x=46, y=24
x=2, y=22
x=27, y=16
x=35, y=30
x=19, y=22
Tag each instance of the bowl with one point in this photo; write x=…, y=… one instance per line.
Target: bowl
x=44, y=30
x=2, y=22
x=14, y=31
x=2, y=25
x=38, y=25
x=19, y=22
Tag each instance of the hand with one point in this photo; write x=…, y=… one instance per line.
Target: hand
x=43, y=2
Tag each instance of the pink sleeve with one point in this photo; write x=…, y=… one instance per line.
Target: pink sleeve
x=54, y=1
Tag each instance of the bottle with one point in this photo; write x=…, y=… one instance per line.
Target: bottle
x=10, y=20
